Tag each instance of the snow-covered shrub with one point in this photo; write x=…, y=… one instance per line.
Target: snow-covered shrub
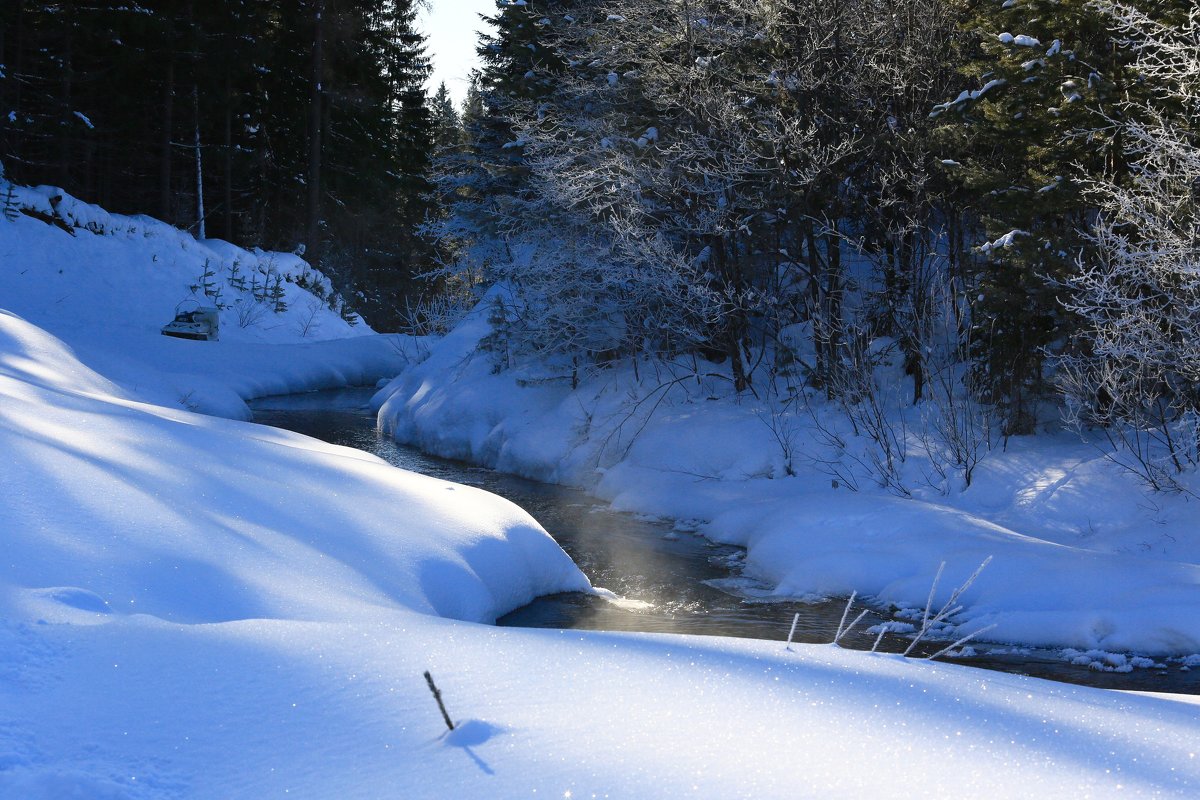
x=437, y=314
x=249, y=312
x=875, y=412
x=236, y=278
x=958, y=428
x=8, y=198
x=1136, y=369
x=310, y=318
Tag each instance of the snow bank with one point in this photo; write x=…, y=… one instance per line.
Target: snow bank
x=196, y=607
x=217, y=377
x=105, y=284
x=73, y=264
x=193, y=607
x=1081, y=558
x=135, y=508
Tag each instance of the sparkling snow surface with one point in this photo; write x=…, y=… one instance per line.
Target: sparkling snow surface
x=195, y=607
x=1082, y=557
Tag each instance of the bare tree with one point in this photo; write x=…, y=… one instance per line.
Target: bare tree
x=1136, y=372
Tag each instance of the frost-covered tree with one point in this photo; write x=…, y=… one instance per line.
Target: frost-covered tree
x=1137, y=368
x=901, y=211
x=755, y=143
x=666, y=127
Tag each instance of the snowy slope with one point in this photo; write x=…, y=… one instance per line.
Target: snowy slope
x=193, y=607
x=1082, y=558
x=76, y=265
x=105, y=284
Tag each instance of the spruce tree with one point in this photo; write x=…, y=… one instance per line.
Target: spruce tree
x=447, y=124
x=1046, y=79
x=109, y=100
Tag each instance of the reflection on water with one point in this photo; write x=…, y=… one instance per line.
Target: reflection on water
x=662, y=573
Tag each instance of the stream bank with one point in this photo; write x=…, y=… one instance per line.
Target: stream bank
x=668, y=580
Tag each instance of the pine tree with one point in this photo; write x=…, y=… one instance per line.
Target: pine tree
x=447, y=124
x=1048, y=78
x=518, y=66
x=140, y=106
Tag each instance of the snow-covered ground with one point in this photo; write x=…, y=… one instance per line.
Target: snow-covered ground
x=197, y=607
x=1083, y=557
x=108, y=284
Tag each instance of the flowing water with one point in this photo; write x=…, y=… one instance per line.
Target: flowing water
x=670, y=581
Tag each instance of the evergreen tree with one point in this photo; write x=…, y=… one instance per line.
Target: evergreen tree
x=1048, y=79
x=142, y=107
x=518, y=65
x=447, y=124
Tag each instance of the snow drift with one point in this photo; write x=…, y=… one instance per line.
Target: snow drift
x=1081, y=557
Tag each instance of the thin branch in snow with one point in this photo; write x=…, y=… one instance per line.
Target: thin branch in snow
x=949, y=609
x=437, y=695
x=843, y=628
x=960, y=642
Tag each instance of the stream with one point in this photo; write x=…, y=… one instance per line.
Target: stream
x=671, y=581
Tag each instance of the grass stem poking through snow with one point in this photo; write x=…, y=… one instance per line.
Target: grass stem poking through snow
x=438, y=696
x=857, y=620
x=949, y=609
x=792, y=632
x=959, y=643
x=843, y=628
x=845, y=613
x=929, y=602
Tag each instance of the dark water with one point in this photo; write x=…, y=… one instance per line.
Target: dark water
x=661, y=574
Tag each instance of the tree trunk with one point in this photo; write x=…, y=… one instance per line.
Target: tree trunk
x=228, y=199
x=164, y=164
x=68, y=75
x=833, y=301
x=313, y=232
x=817, y=307
x=200, y=232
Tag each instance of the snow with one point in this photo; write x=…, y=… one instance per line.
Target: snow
x=968, y=95
x=107, y=287
x=1020, y=40
x=1081, y=558
x=1003, y=242
x=193, y=606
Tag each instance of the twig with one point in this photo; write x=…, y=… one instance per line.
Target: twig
x=882, y=630
x=949, y=609
x=843, y=628
x=845, y=613
x=932, y=589
x=792, y=632
x=438, y=696
x=961, y=641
